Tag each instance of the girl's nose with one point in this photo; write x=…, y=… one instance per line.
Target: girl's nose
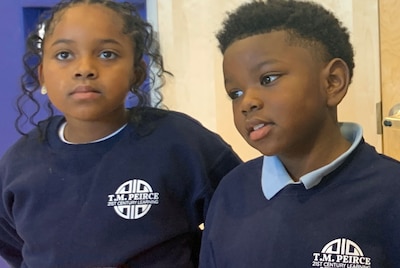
x=86, y=70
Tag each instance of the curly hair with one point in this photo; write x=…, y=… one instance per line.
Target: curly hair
x=307, y=24
x=144, y=44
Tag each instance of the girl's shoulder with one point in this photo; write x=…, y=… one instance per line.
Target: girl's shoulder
x=147, y=120
x=34, y=139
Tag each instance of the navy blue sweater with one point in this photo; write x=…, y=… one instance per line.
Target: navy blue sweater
x=129, y=201
x=351, y=219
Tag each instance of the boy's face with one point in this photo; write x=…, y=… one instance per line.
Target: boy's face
x=87, y=64
x=278, y=94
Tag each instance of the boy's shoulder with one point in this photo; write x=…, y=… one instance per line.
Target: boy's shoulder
x=364, y=163
x=245, y=173
x=366, y=157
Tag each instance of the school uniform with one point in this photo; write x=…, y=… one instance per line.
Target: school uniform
x=135, y=199
x=345, y=214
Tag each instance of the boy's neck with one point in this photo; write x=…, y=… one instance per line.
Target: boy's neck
x=319, y=156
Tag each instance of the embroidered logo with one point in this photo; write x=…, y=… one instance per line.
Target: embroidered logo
x=133, y=199
x=343, y=253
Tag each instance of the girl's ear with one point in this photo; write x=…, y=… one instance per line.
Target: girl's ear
x=40, y=74
x=140, y=73
x=337, y=80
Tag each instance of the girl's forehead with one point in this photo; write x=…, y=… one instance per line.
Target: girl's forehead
x=83, y=12
x=86, y=24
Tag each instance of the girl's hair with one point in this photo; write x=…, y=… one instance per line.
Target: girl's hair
x=144, y=43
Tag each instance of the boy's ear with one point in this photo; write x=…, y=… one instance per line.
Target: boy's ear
x=337, y=80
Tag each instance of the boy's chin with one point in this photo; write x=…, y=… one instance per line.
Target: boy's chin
x=264, y=149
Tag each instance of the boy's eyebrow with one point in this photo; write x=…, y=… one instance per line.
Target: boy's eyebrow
x=226, y=81
x=263, y=63
x=257, y=67
x=100, y=41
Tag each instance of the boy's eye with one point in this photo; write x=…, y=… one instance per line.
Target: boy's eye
x=267, y=79
x=63, y=55
x=234, y=94
x=108, y=55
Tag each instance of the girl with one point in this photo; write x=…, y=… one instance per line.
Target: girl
x=102, y=185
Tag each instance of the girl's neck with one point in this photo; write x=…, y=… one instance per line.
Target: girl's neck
x=80, y=131
x=62, y=135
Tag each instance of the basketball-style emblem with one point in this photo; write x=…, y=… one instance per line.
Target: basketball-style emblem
x=133, y=199
x=343, y=246
x=341, y=252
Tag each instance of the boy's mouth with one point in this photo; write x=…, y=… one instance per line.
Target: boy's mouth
x=257, y=127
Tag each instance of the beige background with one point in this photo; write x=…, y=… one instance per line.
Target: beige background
x=187, y=35
x=390, y=60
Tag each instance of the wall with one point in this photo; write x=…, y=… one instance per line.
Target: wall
x=187, y=29
x=390, y=59
x=11, y=49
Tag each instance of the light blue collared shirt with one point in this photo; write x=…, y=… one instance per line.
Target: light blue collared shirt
x=274, y=176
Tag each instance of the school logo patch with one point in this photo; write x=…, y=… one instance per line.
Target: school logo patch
x=133, y=199
x=343, y=253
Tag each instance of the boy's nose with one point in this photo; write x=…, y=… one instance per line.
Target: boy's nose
x=250, y=103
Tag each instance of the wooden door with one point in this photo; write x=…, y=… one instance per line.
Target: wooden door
x=390, y=71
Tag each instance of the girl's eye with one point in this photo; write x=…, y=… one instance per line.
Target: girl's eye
x=108, y=55
x=63, y=55
x=268, y=79
x=234, y=94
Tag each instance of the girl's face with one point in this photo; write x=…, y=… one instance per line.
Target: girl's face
x=278, y=94
x=87, y=64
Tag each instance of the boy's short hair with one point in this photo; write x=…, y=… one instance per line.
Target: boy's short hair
x=307, y=24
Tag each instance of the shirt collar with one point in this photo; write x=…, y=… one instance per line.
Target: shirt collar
x=274, y=176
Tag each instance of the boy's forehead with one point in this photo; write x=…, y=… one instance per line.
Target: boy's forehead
x=285, y=37
x=259, y=41
x=256, y=51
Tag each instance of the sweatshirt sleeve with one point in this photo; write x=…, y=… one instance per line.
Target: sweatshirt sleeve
x=10, y=242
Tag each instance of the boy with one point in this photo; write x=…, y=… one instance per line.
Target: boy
x=320, y=196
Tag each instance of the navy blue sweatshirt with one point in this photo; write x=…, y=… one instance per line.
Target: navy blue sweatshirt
x=133, y=200
x=351, y=219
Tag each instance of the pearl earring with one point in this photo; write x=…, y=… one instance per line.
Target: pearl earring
x=43, y=90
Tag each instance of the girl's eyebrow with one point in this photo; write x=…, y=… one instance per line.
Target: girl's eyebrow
x=100, y=41
x=62, y=41
x=109, y=41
